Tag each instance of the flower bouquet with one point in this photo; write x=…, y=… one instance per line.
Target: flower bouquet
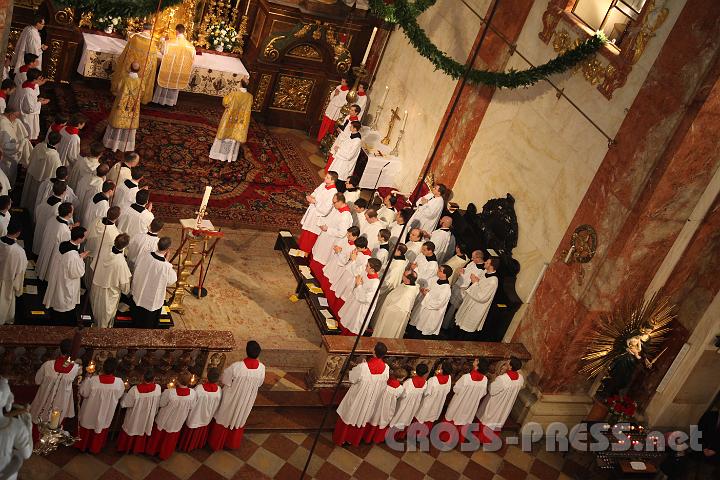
x=622, y=408
x=109, y=24
x=222, y=36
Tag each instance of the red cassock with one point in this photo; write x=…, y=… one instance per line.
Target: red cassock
x=135, y=443
x=91, y=441
x=326, y=126
x=306, y=240
x=222, y=437
x=192, y=438
x=162, y=443
x=329, y=162
x=351, y=434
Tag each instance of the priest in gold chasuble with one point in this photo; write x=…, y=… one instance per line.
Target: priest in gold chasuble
x=143, y=49
x=234, y=125
x=175, y=69
x=125, y=113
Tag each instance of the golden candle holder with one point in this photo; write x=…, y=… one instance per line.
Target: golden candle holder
x=352, y=96
x=185, y=267
x=394, y=152
x=393, y=116
x=378, y=112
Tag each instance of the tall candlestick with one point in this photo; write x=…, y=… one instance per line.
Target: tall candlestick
x=405, y=121
x=387, y=89
x=367, y=50
x=206, y=197
x=247, y=7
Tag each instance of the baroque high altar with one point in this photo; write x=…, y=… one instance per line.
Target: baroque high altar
x=295, y=50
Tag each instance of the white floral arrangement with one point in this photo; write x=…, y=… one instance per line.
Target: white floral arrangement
x=222, y=36
x=110, y=23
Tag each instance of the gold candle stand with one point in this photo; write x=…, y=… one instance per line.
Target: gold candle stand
x=393, y=116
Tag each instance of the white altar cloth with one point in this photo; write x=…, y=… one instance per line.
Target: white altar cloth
x=381, y=169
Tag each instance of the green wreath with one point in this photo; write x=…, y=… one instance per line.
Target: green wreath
x=405, y=15
x=117, y=8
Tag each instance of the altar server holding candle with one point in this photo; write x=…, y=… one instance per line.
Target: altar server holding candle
x=55, y=379
x=175, y=69
x=66, y=270
x=320, y=205
x=139, y=216
x=153, y=275
x=195, y=432
x=175, y=405
x=234, y=124
x=436, y=391
x=100, y=394
x=142, y=402
x=496, y=406
x=111, y=278
x=13, y=263
x=241, y=382
x=467, y=393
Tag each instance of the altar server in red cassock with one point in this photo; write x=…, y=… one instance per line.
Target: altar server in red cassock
x=363, y=100
x=59, y=122
x=376, y=427
x=175, y=405
x=343, y=287
x=497, y=404
x=55, y=378
x=368, y=381
x=320, y=205
x=69, y=146
x=195, y=432
x=436, y=391
x=339, y=257
x=142, y=402
x=101, y=394
x=332, y=228
x=362, y=301
x=467, y=393
x=240, y=381
x=332, y=111
x=409, y=403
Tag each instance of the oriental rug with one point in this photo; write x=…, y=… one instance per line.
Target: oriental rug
x=264, y=189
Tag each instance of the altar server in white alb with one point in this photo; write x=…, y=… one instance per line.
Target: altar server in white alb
x=320, y=205
x=111, y=278
x=427, y=319
x=343, y=133
x=90, y=186
x=99, y=204
x=56, y=232
x=363, y=299
x=430, y=208
x=153, y=275
x=194, y=434
x=396, y=308
x=66, y=270
x=467, y=393
x=409, y=403
x=478, y=298
x=240, y=382
x=30, y=102
x=105, y=231
x=495, y=408
x=376, y=428
x=142, y=402
x=7, y=88
x=332, y=228
x=100, y=394
x=436, y=391
x=443, y=239
x=13, y=263
x=15, y=146
x=69, y=146
x=85, y=167
x=363, y=100
x=141, y=244
x=31, y=61
x=29, y=41
x=332, y=111
x=128, y=189
x=55, y=379
x=234, y=125
x=46, y=189
x=175, y=406
x=44, y=160
x=345, y=156
x=175, y=69
x=139, y=216
x=16, y=444
x=368, y=381
x=46, y=211
x=343, y=287
x=339, y=257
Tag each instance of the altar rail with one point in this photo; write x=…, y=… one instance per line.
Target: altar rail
x=406, y=353
x=170, y=352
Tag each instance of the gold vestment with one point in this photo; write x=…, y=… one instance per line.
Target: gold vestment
x=235, y=121
x=141, y=49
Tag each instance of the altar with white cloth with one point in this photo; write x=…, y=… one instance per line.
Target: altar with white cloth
x=382, y=168
x=212, y=74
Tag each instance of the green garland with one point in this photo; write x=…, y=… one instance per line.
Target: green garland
x=405, y=15
x=117, y=8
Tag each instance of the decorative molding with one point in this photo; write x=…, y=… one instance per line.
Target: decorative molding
x=66, y=16
x=305, y=52
x=56, y=50
x=261, y=92
x=292, y=93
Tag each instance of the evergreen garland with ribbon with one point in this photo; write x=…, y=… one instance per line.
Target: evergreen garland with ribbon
x=117, y=8
x=405, y=15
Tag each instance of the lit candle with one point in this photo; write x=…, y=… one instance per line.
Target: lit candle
x=193, y=379
x=206, y=197
x=247, y=7
x=55, y=418
x=367, y=50
x=171, y=384
x=387, y=89
x=569, y=255
x=404, y=121
x=91, y=367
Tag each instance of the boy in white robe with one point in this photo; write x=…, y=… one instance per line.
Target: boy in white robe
x=58, y=125
x=142, y=402
x=467, y=393
x=320, y=205
x=103, y=230
x=358, y=213
x=66, y=270
x=368, y=381
x=495, y=408
x=111, y=278
x=175, y=405
x=429, y=210
x=31, y=61
x=16, y=444
x=143, y=243
x=339, y=257
x=461, y=283
x=240, y=382
x=414, y=244
x=45, y=212
x=7, y=88
x=362, y=301
x=99, y=204
x=332, y=228
x=30, y=41
x=409, y=403
x=100, y=394
x=121, y=171
x=332, y=111
x=345, y=155
x=55, y=379
x=5, y=215
x=371, y=229
x=46, y=188
x=153, y=275
x=343, y=287
x=477, y=298
x=85, y=167
x=363, y=100
x=127, y=190
x=396, y=308
x=69, y=146
x=425, y=265
x=436, y=391
x=376, y=427
x=195, y=432
x=44, y=161
x=443, y=239
x=382, y=248
x=427, y=319
x=342, y=133
x=13, y=263
x=90, y=186
x=30, y=102
x=138, y=217
x=14, y=145
x=56, y=232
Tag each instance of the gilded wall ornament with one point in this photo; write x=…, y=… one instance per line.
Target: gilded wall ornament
x=292, y=93
x=305, y=52
x=261, y=92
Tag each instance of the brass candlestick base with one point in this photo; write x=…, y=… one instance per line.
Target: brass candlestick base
x=393, y=116
x=351, y=96
x=394, y=151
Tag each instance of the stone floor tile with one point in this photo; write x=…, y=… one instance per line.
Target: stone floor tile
x=419, y=460
x=518, y=458
x=330, y=472
x=383, y=460
x=160, y=474
x=38, y=468
x=403, y=471
x=368, y=471
x=491, y=461
x=206, y=473
x=266, y=462
x=224, y=463
x=345, y=460
x=454, y=459
x=510, y=472
x=181, y=465
x=112, y=474
x=135, y=467
x=85, y=467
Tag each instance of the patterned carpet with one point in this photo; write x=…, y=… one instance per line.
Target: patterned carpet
x=264, y=189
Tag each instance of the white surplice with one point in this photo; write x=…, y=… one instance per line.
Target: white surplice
x=347, y=154
x=140, y=244
x=370, y=231
x=103, y=230
x=337, y=223
x=99, y=402
x=44, y=161
x=134, y=220
x=4, y=222
x=83, y=169
x=413, y=250
x=13, y=264
x=444, y=244
x=44, y=214
x=387, y=405
x=125, y=193
x=395, y=312
x=386, y=215
x=334, y=267
x=174, y=410
x=363, y=102
x=427, y=215
x=111, y=277
x=467, y=393
x=362, y=399
x=319, y=210
x=240, y=387
x=69, y=150
x=359, y=305
x=429, y=315
x=88, y=187
x=15, y=441
x=56, y=232
x=495, y=408
x=205, y=407
x=344, y=285
x=29, y=41
x=97, y=208
x=15, y=146
x=29, y=107
x=141, y=410
x=66, y=270
x=395, y=229
x=476, y=303
x=4, y=181
x=153, y=275
x=119, y=173
x=456, y=263
x=433, y=399
x=46, y=189
x=426, y=270
x=337, y=101
x=55, y=392
x=408, y=404
x=393, y=278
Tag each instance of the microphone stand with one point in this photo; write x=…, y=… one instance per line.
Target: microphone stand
x=378, y=178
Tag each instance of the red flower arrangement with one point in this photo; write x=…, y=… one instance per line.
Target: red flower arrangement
x=622, y=407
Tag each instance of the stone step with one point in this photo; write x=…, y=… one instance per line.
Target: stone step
x=288, y=419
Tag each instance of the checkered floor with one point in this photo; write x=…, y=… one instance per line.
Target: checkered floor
x=282, y=456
